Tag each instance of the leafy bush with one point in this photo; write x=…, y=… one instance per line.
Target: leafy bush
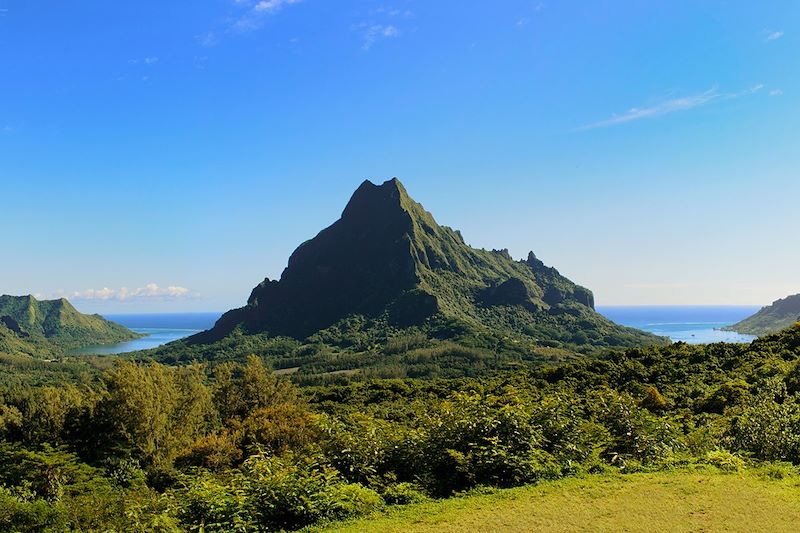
x=403, y=494
x=472, y=440
x=724, y=460
x=207, y=504
x=25, y=512
x=769, y=425
x=635, y=433
x=288, y=493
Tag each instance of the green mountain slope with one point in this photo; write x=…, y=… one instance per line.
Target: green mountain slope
x=386, y=266
x=26, y=321
x=12, y=343
x=780, y=315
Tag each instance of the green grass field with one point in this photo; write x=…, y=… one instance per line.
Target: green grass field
x=696, y=502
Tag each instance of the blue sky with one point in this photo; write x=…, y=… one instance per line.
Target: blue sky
x=167, y=156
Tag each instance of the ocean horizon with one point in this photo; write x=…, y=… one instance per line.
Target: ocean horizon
x=693, y=324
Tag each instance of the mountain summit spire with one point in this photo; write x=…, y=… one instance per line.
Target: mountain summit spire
x=387, y=260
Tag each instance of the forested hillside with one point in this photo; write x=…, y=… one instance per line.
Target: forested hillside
x=46, y=328
x=780, y=315
x=237, y=448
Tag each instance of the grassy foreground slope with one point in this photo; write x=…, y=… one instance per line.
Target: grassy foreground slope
x=681, y=501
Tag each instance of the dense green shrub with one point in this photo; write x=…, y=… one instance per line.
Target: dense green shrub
x=769, y=425
x=288, y=493
x=472, y=439
x=724, y=460
x=22, y=511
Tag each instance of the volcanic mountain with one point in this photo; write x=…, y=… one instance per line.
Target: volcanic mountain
x=780, y=315
x=28, y=325
x=388, y=261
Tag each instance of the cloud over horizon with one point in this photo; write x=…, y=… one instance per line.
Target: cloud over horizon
x=151, y=291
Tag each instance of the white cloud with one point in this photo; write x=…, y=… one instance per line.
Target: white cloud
x=776, y=92
x=377, y=31
x=673, y=105
x=208, y=39
x=253, y=18
x=772, y=35
x=144, y=61
x=151, y=291
x=273, y=5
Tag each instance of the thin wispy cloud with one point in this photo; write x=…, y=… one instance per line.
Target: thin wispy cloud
x=255, y=13
x=208, y=39
x=667, y=107
x=776, y=92
x=152, y=60
x=772, y=35
x=151, y=291
x=374, y=32
x=385, y=27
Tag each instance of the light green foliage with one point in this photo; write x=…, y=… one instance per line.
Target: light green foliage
x=155, y=411
x=725, y=460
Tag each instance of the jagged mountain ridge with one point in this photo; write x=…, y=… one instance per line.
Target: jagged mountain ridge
x=54, y=323
x=387, y=257
x=781, y=314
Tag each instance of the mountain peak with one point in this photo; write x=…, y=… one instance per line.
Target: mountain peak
x=371, y=200
x=388, y=260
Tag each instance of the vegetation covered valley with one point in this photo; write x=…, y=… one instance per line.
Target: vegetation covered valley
x=231, y=447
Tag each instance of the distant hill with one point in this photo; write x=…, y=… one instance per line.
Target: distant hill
x=776, y=317
x=386, y=265
x=29, y=326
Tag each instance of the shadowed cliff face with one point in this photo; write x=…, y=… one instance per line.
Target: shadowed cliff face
x=387, y=256
x=361, y=264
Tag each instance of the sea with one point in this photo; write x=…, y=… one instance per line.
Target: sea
x=696, y=324
x=690, y=324
x=158, y=328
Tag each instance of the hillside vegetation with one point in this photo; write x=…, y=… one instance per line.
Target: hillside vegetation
x=234, y=447
x=47, y=328
x=780, y=315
